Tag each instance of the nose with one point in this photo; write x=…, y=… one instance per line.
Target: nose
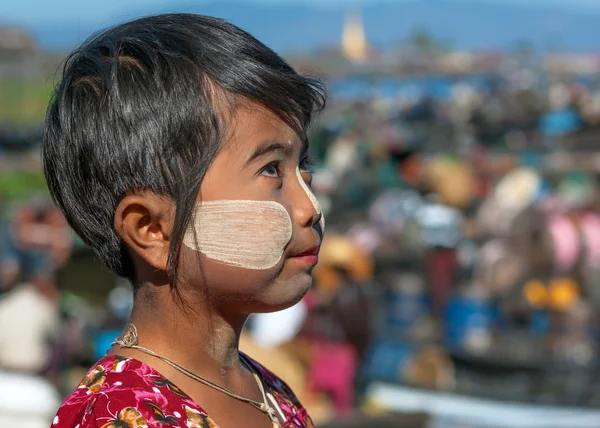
x=306, y=210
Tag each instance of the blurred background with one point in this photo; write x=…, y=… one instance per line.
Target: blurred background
x=458, y=167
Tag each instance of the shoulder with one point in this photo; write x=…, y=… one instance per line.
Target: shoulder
x=119, y=392
x=271, y=379
x=287, y=401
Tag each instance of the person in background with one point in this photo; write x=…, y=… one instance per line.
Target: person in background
x=29, y=321
x=29, y=324
x=39, y=227
x=339, y=320
x=10, y=272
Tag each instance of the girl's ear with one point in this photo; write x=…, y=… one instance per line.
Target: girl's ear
x=144, y=221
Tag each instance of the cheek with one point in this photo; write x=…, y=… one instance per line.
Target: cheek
x=242, y=291
x=244, y=234
x=227, y=236
x=224, y=281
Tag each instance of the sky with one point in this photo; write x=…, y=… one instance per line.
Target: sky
x=32, y=12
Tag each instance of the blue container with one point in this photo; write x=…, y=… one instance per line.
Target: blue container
x=467, y=316
x=555, y=124
x=540, y=322
x=103, y=342
x=386, y=361
x=403, y=308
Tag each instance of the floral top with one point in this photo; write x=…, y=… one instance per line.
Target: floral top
x=126, y=393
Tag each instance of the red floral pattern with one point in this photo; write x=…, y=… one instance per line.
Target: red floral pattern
x=126, y=393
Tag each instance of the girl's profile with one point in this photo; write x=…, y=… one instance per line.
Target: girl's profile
x=176, y=147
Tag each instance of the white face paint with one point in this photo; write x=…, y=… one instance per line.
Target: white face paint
x=247, y=234
x=312, y=198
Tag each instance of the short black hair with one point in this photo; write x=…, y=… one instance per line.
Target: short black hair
x=140, y=107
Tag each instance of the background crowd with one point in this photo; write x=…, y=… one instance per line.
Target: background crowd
x=462, y=254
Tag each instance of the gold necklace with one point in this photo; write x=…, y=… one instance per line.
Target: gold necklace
x=130, y=340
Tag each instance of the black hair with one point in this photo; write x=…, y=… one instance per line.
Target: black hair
x=141, y=107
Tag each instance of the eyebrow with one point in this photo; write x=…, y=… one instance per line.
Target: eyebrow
x=276, y=146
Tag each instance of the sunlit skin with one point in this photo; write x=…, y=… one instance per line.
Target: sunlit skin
x=258, y=162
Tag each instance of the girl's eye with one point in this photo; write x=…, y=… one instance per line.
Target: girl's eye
x=271, y=170
x=306, y=165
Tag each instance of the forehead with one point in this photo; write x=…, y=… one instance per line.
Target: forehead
x=253, y=125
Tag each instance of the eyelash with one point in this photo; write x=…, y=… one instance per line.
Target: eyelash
x=308, y=162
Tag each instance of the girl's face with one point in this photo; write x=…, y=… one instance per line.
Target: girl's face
x=257, y=228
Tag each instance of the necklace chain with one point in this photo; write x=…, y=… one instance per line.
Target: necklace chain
x=130, y=340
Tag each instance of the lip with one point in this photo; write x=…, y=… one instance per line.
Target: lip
x=310, y=252
x=310, y=256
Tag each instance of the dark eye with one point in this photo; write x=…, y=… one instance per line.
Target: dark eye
x=306, y=165
x=271, y=170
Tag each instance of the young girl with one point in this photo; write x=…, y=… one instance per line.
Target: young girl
x=176, y=147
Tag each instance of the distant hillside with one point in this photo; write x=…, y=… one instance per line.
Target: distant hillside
x=469, y=24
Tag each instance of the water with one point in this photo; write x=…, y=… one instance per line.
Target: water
x=438, y=87
x=413, y=87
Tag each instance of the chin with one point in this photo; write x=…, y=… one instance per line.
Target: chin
x=284, y=293
x=251, y=291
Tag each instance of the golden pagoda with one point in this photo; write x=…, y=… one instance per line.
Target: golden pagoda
x=354, y=43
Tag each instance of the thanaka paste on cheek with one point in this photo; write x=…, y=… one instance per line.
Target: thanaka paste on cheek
x=246, y=234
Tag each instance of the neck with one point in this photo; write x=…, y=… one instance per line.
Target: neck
x=191, y=333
